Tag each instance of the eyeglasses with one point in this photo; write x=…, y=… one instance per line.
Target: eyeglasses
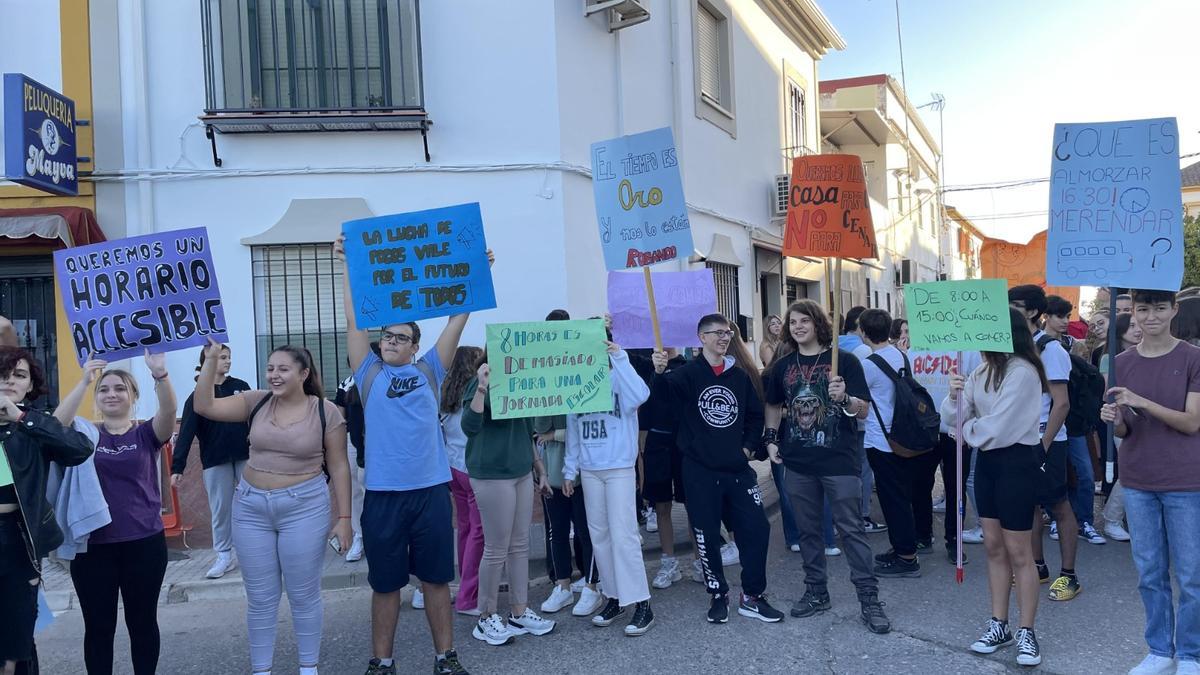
x=719, y=333
x=395, y=338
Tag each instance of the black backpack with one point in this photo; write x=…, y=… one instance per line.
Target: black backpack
x=915, y=419
x=1085, y=389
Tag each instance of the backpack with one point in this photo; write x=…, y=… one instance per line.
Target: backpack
x=1085, y=390
x=915, y=419
x=365, y=390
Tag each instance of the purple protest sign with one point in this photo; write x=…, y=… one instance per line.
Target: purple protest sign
x=682, y=298
x=156, y=291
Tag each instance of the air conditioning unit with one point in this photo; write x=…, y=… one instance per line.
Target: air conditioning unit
x=906, y=273
x=621, y=13
x=779, y=198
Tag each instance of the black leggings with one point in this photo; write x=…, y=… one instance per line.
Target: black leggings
x=560, y=513
x=135, y=569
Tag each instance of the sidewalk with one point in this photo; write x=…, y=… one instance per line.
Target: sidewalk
x=185, y=582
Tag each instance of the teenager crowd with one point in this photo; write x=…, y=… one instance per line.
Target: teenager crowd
x=408, y=467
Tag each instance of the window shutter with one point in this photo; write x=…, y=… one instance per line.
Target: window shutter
x=725, y=278
x=708, y=40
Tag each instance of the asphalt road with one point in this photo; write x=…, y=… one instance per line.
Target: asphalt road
x=934, y=621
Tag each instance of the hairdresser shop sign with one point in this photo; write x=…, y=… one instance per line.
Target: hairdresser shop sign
x=39, y=136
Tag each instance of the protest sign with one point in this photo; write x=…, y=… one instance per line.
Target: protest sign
x=548, y=368
x=682, y=298
x=959, y=315
x=156, y=291
x=639, y=200
x=933, y=369
x=1022, y=264
x=1116, y=216
x=418, y=265
x=829, y=213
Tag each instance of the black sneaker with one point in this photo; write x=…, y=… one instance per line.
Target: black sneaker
x=1028, y=651
x=952, y=555
x=609, y=614
x=812, y=603
x=718, y=611
x=447, y=664
x=757, y=607
x=870, y=526
x=1043, y=571
x=873, y=616
x=643, y=618
x=376, y=667
x=896, y=567
x=996, y=636
x=925, y=547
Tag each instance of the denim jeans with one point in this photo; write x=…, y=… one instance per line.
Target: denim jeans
x=1164, y=535
x=1083, y=495
x=791, y=531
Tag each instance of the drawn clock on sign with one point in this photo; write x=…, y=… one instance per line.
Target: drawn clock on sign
x=1135, y=200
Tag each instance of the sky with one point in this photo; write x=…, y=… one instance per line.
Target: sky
x=1011, y=69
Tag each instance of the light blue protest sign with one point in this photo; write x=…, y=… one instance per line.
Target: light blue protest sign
x=1116, y=217
x=418, y=265
x=639, y=200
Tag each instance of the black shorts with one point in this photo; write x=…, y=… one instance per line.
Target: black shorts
x=662, y=463
x=1006, y=484
x=18, y=598
x=409, y=532
x=1052, y=489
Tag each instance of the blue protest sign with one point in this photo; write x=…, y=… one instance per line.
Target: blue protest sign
x=639, y=200
x=156, y=291
x=39, y=136
x=418, y=265
x=1116, y=217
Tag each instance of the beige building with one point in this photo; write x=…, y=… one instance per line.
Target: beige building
x=1191, y=190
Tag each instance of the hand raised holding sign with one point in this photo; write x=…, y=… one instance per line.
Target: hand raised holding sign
x=956, y=385
x=157, y=363
x=339, y=247
x=92, y=369
x=484, y=375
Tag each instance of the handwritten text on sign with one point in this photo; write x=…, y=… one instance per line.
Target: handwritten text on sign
x=548, y=368
x=829, y=213
x=419, y=265
x=1115, y=210
x=639, y=200
x=959, y=315
x=682, y=298
x=155, y=291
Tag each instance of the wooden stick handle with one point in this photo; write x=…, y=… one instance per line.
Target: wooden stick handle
x=658, y=342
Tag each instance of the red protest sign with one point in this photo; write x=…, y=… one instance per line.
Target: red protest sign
x=829, y=214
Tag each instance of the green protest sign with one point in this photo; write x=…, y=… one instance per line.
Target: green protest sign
x=968, y=315
x=548, y=368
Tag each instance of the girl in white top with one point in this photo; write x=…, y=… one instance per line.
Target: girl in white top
x=1001, y=408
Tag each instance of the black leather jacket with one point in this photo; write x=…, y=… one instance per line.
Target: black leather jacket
x=30, y=446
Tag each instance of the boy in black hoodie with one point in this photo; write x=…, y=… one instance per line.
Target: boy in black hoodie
x=720, y=425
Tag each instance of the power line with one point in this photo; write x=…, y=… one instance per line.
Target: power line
x=1020, y=182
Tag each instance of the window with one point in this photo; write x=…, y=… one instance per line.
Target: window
x=796, y=137
x=725, y=277
x=796, y=290
x=712, y=55
x=298, y=301
x=311, y=55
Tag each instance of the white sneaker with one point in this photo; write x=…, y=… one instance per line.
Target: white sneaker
x=473, y=611
x=418, y=601
x=668, y=573
x=356, y=549
x=224, y=563
x=652, y=521
x=492, y=631
x=832, y=551
x=560, y=598
x=1188, y=668
x=1090, y=535
x=1054, y=530
x=697, y=572
x=589, y=603
x=578, y=585
x=729, y=554
x=973, y=536
x=529, y=623
x=940, y=506
x=1115, y=532
x=1154, y=665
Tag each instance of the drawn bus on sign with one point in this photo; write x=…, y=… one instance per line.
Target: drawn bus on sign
x=1101, y=258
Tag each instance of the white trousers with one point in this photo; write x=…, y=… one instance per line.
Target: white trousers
x=608, y=496
x=219, y=482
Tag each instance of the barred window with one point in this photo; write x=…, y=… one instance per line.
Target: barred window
x=298, y=301
x=725, y=277
x=311, y=55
